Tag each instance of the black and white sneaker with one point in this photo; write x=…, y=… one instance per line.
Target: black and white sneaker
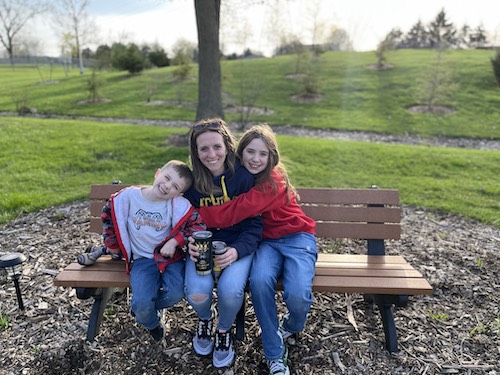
x=224, y=350
x=203, y=342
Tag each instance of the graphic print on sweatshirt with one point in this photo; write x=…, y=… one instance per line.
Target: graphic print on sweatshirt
x=154, y=220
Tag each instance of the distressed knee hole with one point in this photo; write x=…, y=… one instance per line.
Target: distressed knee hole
x=198, y=298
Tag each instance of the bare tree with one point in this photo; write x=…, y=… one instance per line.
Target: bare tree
x=71, y=15
x=14, y=14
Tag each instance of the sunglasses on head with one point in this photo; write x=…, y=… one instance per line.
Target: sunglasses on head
x=205, y=125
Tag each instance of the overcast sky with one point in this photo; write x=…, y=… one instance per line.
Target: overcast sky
x=366, y=21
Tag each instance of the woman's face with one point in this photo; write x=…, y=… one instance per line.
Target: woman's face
x=212, y=151
x=255, y=156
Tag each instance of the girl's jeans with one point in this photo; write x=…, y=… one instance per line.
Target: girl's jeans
x=230, y=291
x=293, y=257
x=153, y=291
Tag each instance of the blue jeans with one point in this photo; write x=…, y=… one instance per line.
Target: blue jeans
x=292, y=257
x=153, y=291
x=230, y=291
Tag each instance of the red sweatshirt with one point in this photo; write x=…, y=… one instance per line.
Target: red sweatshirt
x=280, y=217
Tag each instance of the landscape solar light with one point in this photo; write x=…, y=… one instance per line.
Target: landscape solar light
x=12, y=263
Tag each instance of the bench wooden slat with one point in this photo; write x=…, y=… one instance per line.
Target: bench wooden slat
x=360, y=258
x=358, y=230
x=105, y=191
x=349, y=196
x=105, y=273
x=372, y=285
x=355, y=214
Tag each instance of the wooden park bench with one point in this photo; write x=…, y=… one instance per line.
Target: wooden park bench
x=369, y=214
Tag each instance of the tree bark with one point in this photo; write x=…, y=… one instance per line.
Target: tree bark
x=209, y=70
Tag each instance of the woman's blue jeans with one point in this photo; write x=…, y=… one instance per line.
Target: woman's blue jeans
x=292, y=257
x=230, y=291
x=153, y=291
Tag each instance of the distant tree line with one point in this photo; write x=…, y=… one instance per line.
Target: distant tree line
x=440, y=33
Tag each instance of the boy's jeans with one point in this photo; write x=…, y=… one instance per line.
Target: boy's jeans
x=293, y=257
x=230, y=290
x=153, y=291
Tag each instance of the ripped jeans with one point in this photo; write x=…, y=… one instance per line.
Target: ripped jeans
x=230, y=291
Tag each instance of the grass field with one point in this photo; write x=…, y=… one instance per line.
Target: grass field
x=49, y=162
x=354, y=95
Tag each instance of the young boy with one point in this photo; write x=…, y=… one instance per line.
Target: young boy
x=148, y=226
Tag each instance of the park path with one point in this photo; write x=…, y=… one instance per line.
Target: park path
x=301, y=131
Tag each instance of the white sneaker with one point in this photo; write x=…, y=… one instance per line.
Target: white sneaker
x=279, y=366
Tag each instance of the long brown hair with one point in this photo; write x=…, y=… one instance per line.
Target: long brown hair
x=266, y=134
x=203, y=178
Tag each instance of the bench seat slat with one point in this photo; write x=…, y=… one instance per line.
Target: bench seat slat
x=92, y=279
x=371, y=285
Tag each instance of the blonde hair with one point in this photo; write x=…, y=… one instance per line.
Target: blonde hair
x=203, y=179
x=266, y=134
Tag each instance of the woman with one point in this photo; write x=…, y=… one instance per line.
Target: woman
x=219, y=177
x=288, y=249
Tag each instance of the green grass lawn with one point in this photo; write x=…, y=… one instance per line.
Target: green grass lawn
x=354, y=96
x=49, y=162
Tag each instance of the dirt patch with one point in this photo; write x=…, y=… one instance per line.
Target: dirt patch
x=434, y=110
x=307, y=98
x=93, y=101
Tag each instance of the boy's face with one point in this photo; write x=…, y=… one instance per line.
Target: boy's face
x=168, y=184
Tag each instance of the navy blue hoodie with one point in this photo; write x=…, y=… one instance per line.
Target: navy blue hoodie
x=245, y=235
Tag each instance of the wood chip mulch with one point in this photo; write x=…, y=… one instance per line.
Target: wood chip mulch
x=454, y=331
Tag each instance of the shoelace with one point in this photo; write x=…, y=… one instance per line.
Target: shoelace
x=205, y=328
x=222, y=341
x=276, y=365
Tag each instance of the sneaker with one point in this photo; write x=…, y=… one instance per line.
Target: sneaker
x=281, y=329
x=279, y=366
x=224, y=351
x=203, y=342
x=158, y=332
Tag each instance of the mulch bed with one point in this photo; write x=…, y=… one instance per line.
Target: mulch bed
x=454, y=331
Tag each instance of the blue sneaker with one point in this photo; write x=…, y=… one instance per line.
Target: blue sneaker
x=224, y=350
x=282, y=330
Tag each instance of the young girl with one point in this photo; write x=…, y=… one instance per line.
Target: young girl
x=219, y=177
x=288, y=249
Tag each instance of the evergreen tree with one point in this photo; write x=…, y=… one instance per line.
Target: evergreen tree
x=442, y=33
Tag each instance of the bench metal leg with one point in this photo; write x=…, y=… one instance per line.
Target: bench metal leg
x=391, y=335
x=240, y=322
x=100, y=302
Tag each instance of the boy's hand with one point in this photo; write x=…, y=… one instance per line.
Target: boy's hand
x=193, y=250
x=113, y=251
x=168, y=249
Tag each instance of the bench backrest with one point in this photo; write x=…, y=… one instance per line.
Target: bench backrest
x=371, y=214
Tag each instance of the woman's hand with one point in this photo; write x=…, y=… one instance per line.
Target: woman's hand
x=226, y=259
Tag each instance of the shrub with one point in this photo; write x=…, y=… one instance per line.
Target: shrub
x=495, y=63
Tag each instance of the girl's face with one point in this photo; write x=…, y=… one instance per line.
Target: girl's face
x=255, y=156
x=212, y=151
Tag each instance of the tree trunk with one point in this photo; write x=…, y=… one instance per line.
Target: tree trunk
x=209, y=70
